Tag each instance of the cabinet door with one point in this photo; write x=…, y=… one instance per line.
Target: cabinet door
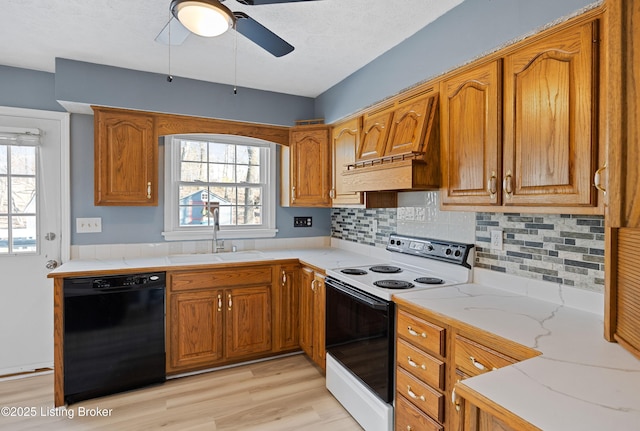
x=471, y=133
x=319, y=301
x=126, y=159
x=410, y=121
x=195, y=329
x=248, y=321
x=311, y=167
x=550, y=139
x=306, y=310
x=375, y=129
x=344, y=142
x=287, y=308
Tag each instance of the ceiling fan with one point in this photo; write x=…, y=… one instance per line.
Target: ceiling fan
x=211, y=18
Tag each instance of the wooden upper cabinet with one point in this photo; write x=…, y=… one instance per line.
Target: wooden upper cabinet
x=126, y=158
x=344, y=142
x=375, y=129
x=310, y=166
x=408, y=125
x=471, y=136
x=550, y=118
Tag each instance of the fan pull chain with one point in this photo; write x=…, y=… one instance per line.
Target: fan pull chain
x=169, y=77
x=235, y=62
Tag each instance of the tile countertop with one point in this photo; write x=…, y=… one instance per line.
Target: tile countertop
x=579, y=382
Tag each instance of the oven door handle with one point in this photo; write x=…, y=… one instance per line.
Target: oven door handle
x=356, y=295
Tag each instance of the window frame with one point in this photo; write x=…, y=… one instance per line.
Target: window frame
x=172, y=229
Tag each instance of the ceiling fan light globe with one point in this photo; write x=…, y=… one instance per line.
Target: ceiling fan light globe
x=206, y=19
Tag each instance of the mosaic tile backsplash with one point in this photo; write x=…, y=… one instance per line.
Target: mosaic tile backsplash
x=564, y=249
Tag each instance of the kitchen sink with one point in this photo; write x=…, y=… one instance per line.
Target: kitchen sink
x=236, y=256
x=186, y=259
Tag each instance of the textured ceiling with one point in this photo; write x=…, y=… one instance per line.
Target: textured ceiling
x=332, y=39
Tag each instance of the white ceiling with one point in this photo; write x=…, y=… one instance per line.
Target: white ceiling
x=332, y=39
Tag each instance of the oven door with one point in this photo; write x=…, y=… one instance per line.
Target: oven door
x=359, y=335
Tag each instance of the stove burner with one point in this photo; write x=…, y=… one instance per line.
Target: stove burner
x=393, y=284
x=385, y=269
x=353, y=271
x=429, y=280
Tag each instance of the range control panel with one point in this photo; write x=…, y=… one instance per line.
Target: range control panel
x=452, y=252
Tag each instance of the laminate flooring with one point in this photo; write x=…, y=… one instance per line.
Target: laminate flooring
x=279, y=394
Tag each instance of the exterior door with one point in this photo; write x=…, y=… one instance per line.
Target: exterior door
x=33, y=146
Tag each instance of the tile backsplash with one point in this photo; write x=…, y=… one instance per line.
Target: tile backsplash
x=565, y=249
x=562, y=249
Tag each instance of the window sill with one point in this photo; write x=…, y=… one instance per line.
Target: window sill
x=222, y=234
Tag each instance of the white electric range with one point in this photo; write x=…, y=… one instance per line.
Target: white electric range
x=360, y=320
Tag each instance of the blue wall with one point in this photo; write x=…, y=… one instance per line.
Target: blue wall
x=464, y=33
x=472, y=28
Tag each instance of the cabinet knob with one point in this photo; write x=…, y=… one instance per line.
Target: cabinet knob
x=149, y=190
x=413, y=395
x=332, y=193
x=230, y=302
x=284, y=277
x=415, y=334
x=219, y=302
x=455, y=399
x=293, y=193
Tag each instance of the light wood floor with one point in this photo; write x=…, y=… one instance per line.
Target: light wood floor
x=280, y=394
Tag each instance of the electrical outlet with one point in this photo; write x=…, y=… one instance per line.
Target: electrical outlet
x=496, y=240
x=89, y=225
x=302, y=222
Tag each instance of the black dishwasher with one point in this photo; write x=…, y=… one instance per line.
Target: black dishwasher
x=114, y=334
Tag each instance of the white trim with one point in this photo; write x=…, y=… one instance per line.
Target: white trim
x=172, y=232
x=65, y=171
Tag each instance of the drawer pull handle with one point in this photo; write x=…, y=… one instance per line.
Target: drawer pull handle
x=455, y=399
x=219, y=302
x=415, y=334
x=413, y=395
x=230, y=301
x=478, y=365
x=149, y=190
x=414, y=364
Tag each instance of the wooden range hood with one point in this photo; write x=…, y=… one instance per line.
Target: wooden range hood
x=399, y=147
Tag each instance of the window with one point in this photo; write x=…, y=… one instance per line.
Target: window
x=236, y=173
x=18, y=199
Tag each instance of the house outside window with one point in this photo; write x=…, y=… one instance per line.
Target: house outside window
x=236, y=173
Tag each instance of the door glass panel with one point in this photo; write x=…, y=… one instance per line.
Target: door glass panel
x=18, y=200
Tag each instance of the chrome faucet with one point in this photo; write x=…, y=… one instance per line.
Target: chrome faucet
x=216, y=228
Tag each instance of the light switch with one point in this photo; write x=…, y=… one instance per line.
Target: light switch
x=89, y=225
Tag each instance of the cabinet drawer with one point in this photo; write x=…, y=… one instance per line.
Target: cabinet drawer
x=409, y=418
x=421, y=333
x=420, y=394
x=425, y=367
x=220, y=278
x=474, y=358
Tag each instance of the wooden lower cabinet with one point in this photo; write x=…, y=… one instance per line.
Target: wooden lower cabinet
x=216, y=317
x=433, y=354
x=286, y=308
x=312, y=315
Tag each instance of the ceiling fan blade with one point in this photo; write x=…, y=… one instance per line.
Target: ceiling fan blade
x=179, y=33
x=260, y=35
x=261, y=2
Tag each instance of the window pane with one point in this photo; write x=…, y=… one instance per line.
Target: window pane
x=224, y=195
x=248, y=155
x=249, y=196
x=190, y=172
x=23, y=230
x=191, y=215
x=23, y=160
x=4, y=194
x=249, y=215
x=4, y=234
x=23, y=195
x=194, y=151
x=227, y=215
x=221, y=173
x=3, y=159
x=248, y=174
x=223, y=153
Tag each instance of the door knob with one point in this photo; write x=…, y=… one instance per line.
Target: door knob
x=51, y=264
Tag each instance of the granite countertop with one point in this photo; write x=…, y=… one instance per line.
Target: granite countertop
x=579, y=382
